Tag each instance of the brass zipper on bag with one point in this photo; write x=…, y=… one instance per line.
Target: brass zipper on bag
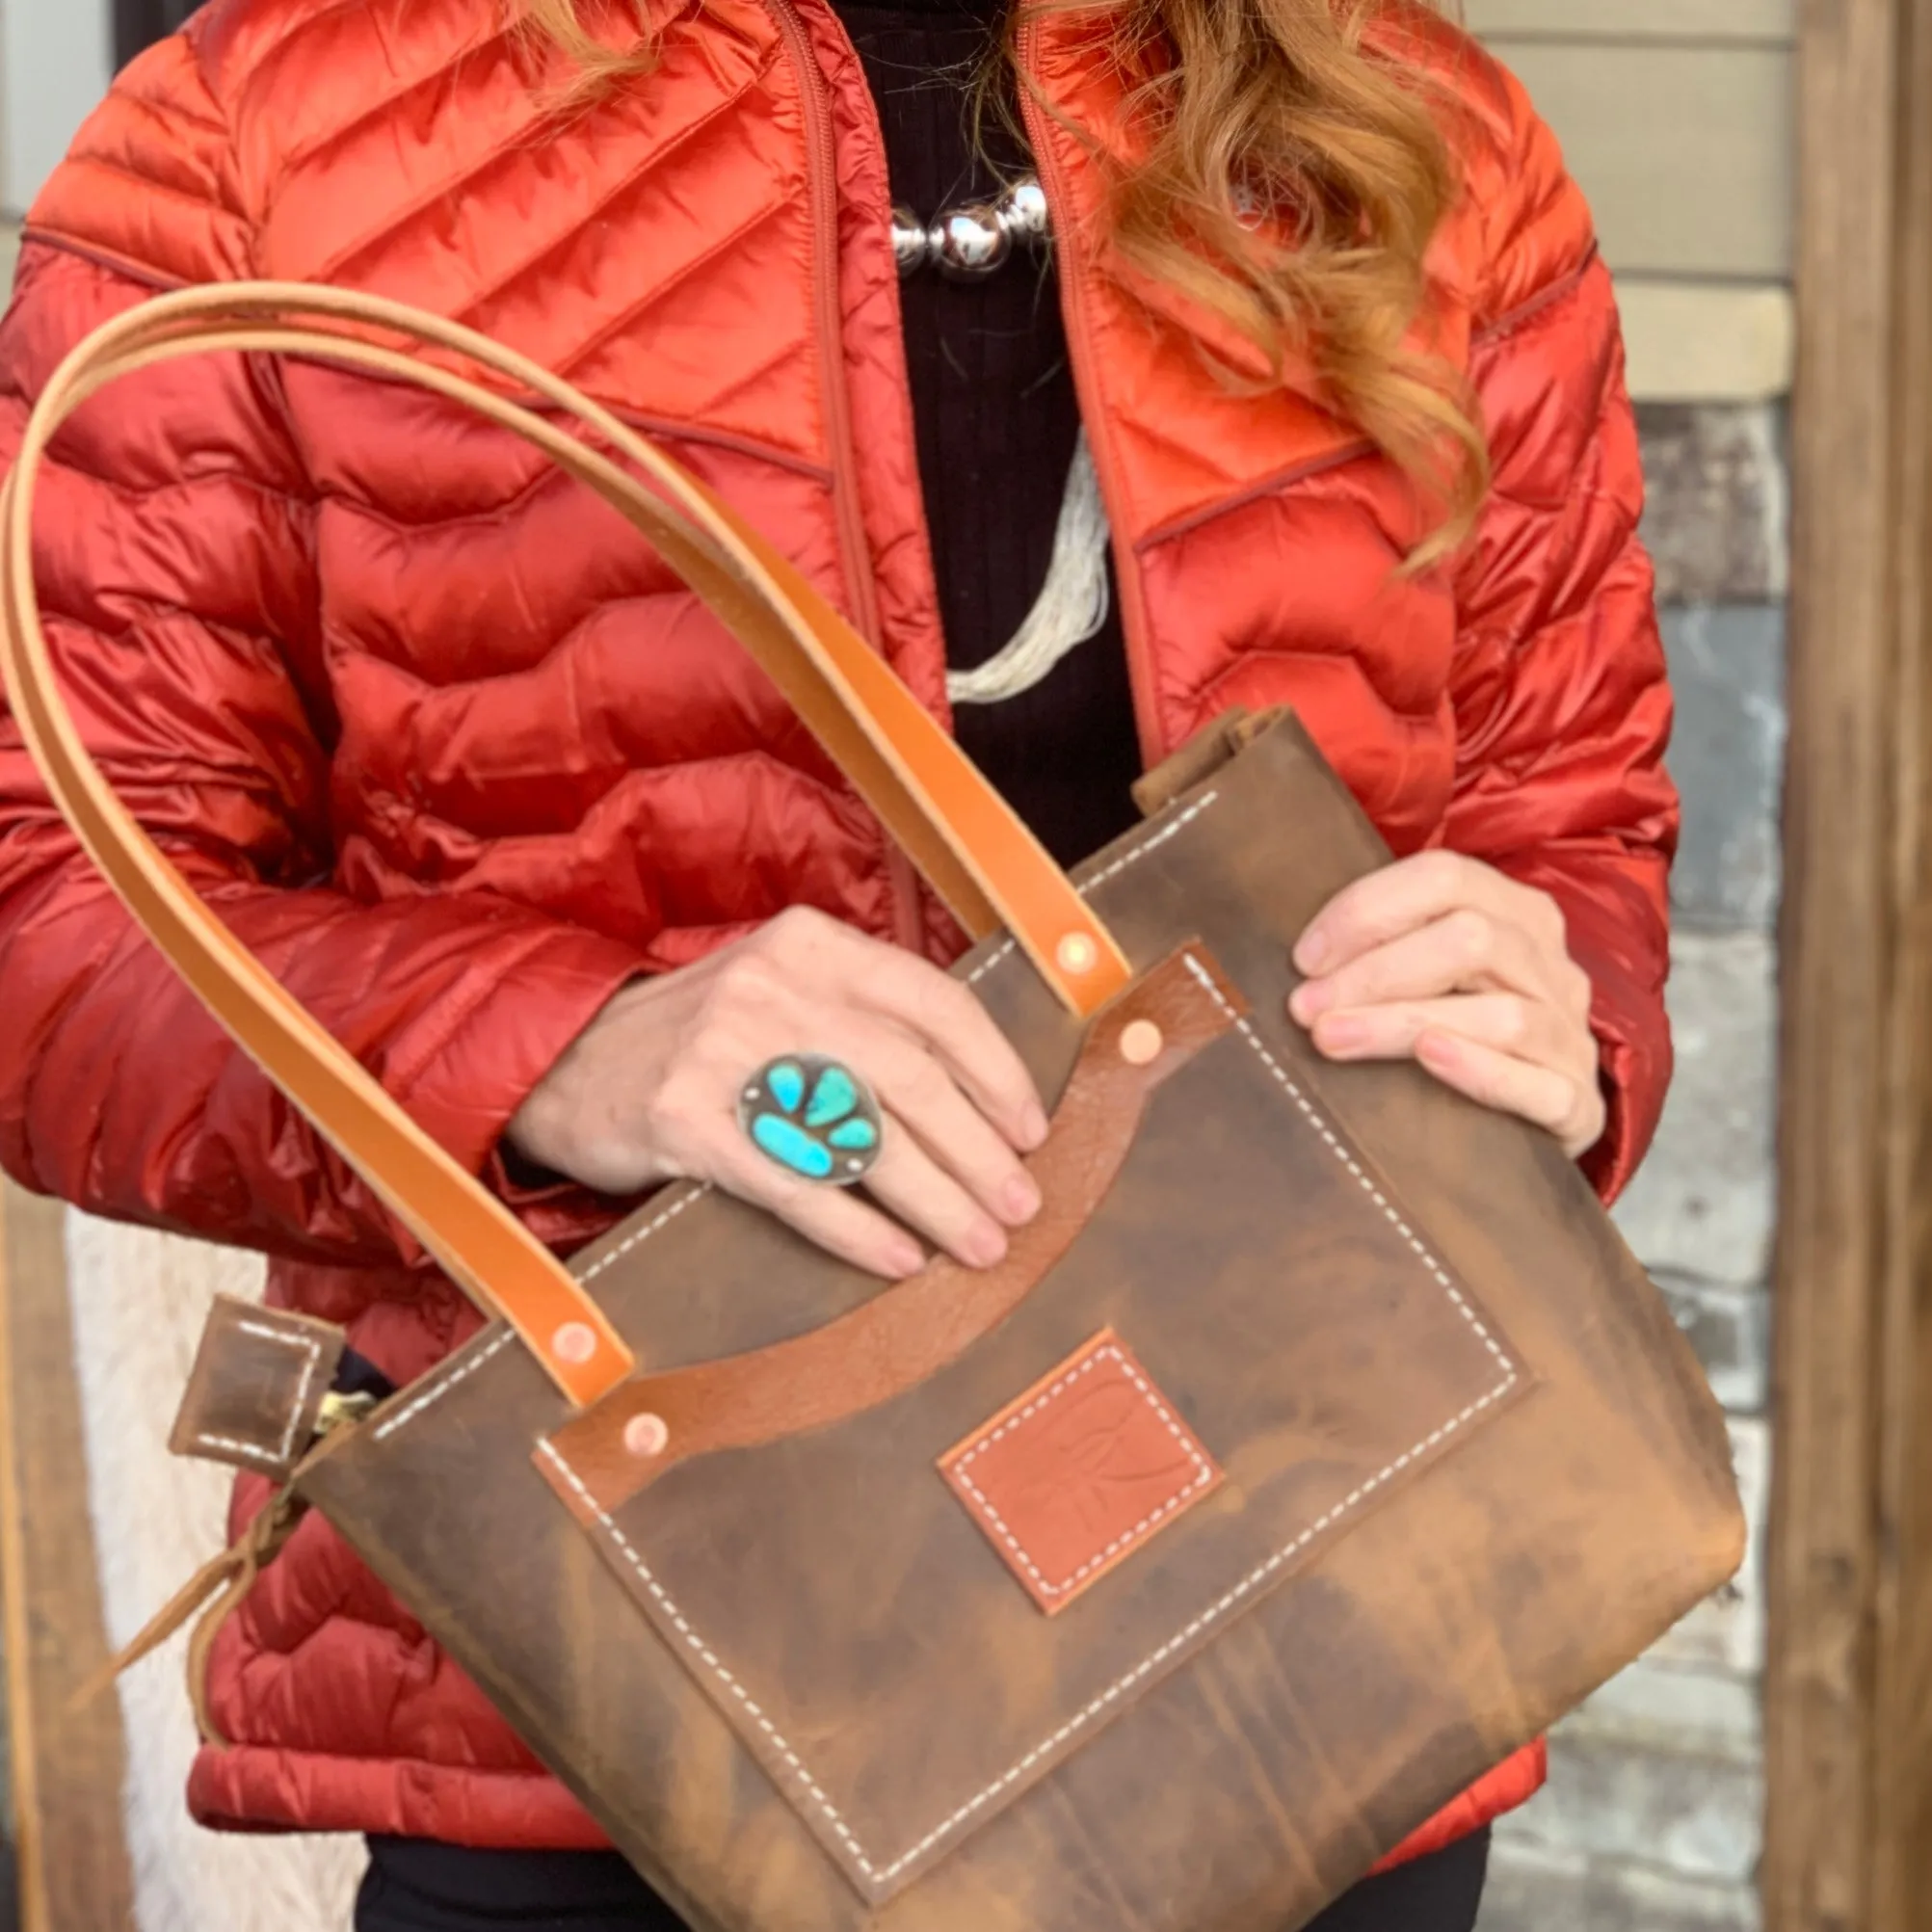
x=342, y=1412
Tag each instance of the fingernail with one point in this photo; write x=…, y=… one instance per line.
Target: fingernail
x=906, y=1258
x=1436, y=1048
x=1311, y=1000
x=985, y=1247
x=1312, y=954
x=1020, y=1200
x=1034, y=1126
x=1343, y=1035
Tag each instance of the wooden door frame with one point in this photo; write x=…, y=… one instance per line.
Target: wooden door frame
x=75, y=1871
x=1848, y=1687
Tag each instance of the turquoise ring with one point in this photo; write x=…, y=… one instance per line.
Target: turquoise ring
x=815, y=1117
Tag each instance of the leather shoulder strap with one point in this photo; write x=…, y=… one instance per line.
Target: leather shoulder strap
x=962, y=835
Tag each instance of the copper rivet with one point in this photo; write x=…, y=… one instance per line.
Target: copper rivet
x=1141, y=1042
x=647, y=1436
x=575, y=1343
x=1076, y=953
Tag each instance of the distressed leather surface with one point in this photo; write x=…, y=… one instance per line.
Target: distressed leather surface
x=1471, y=1470
x=256, y=1388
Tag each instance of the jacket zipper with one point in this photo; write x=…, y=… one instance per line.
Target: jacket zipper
x=1080, y=357
x=854, y=550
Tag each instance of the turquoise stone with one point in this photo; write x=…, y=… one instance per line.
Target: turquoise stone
x=813, y=1117
x=790, y=1146
x=832, y=1099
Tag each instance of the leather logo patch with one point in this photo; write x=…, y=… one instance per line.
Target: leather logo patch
x=1078, y=1474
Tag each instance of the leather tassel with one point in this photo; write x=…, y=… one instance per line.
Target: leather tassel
x=213, y=1593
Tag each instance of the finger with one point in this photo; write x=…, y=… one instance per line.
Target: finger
x=1466, y=951
x=926, y=1098
x=1525, y=1029
x=1411, y=894
x=1571, y=1110
x=833, y=1218
x=945, y=1017
x=908, y=1182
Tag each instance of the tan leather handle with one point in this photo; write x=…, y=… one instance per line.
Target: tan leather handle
x=962, y=835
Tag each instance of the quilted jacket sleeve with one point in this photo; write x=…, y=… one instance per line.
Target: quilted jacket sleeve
x=178, y=577
x=1562, y=707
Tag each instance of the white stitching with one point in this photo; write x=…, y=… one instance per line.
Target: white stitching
x=1046, y=1746
x=302, y=1388
x=664, y=1220
x=1336, y=1147
x=1203, y=1476
x=438, y=1390
x=1001, y=954
x=312, y=1344
x=253, y=1452
x=997, y=957
x=1175, y=825
x=710, y=1657
x=263, y=1333
x=1245, y=1588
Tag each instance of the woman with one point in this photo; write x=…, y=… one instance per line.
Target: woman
x=482, y=785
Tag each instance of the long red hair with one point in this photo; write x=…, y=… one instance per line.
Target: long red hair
x=1308, y=108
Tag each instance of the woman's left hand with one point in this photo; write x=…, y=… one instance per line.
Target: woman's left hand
x=1441, y=958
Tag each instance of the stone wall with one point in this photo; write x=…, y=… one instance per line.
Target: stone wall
x=1651, y=1823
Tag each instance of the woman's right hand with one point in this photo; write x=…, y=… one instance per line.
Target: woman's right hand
x=649, y=1092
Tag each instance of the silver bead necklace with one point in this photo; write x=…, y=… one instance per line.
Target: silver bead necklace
x=966, y=243
x=975, y=239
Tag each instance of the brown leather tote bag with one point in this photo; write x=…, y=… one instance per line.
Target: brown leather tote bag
x=1321, y=1444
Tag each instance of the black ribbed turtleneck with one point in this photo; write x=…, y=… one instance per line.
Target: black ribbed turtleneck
x=997, y=421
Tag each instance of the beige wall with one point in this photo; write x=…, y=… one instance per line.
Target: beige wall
x=54, y=64
x=1677, y=116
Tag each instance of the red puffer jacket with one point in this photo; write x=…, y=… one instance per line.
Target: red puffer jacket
x=456, y=756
